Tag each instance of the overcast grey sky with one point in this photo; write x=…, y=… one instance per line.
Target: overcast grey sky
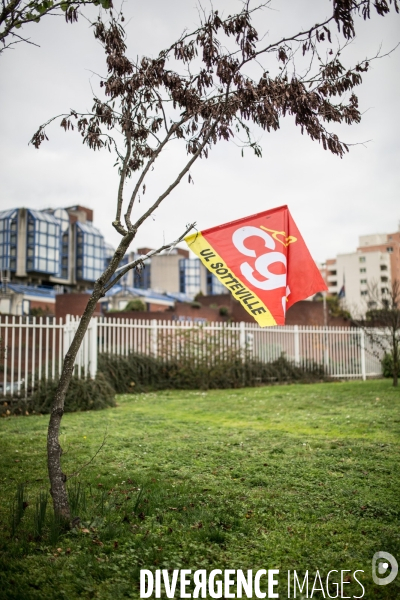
x=333, y=201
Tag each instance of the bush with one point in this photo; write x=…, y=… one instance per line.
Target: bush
x=138, y=373
x=83, y=394
x=223, y=311
x=387, y=365
x=135, y=305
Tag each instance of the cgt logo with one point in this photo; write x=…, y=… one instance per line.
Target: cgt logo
x=270, y=281
x=381, y=562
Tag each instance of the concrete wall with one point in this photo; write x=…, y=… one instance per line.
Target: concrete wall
x=165, y=273
x=21, y=243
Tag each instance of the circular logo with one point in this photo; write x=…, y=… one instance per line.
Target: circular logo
x=384, y=563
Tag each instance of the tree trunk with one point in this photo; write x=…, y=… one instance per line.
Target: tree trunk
x=395, y=366
x=395, y=354
x=57, y=477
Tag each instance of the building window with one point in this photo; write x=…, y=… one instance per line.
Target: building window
x=332, y=272
x=189, y=276
x=63, y=218
x=384, y=268
x=89, y=252
x=390, y=249
x=384, y=291
x=142, y=277
x=384, y=279
x=363, y=270
x=363, y=281
x=214, y=286
x=8, y=240
x=362, y=259
x=363, y=292
x=42, y=243
x=64, y=255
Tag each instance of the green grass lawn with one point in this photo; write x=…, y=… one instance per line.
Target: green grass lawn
x=287, y=477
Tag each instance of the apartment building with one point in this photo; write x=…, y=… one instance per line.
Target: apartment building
x=376, y=262
x=173, y=272
x=51, y=247
x=48, y=252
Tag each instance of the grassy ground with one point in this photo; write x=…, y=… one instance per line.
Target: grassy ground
x=290, y=477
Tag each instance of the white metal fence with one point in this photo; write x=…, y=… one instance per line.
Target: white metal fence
x=345, y=352
x=33, y=348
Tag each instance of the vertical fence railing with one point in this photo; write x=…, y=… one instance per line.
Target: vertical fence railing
x=86, y=358
x=33, y=349
x=343, y=351
x=30, y=350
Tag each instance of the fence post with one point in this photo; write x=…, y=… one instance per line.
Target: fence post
x=326, y=350
x=362, y=352
x=242, y=339
x=93, y=347
x=153, y=337
x=66, y=335
x=296, y=345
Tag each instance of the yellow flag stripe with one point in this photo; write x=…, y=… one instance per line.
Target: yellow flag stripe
x=214, y=263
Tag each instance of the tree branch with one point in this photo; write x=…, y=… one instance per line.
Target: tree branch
x=117, y=223
x=173, y=185
x=145, y=171
x=124, y=270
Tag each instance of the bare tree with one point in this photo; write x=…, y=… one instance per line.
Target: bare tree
x=382, y=323
x=209, y=86
x=14, y=14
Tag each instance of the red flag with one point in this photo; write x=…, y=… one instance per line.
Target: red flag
x=262, y=260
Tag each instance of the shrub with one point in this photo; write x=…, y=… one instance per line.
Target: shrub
x=83, y=394
x=387, y=365
x=40, y=312
x=223, y=311
x=138, y=373
x=135, y=305
x=195, y=304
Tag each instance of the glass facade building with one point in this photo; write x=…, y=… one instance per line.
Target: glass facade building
x=90, y=252
x=63, y=218
x=142, y=276
x=42, y=243
x=214, y=286
x=8, y=240
x=62, y=247
x=191, y=280
x=53, y=246
x=189, y=276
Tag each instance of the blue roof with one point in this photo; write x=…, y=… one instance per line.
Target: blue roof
x=132, y=291
x=31, y=290
x=87, y=228
x=179, y=296
x=44, y=216
x=4, y=214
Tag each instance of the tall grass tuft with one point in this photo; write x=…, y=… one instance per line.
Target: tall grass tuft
x=39, y=516
x=77, y=498
x=55, y=529
x=18, y=506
